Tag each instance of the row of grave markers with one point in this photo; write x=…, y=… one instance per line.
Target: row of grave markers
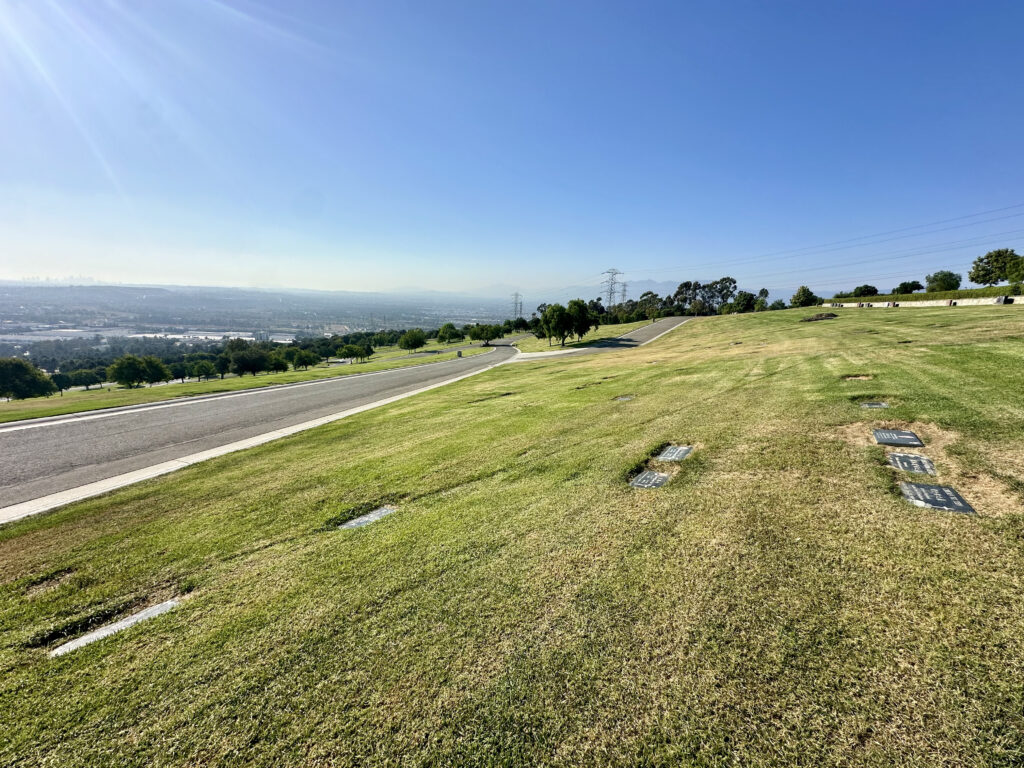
x=921, y=494
x=651, y=479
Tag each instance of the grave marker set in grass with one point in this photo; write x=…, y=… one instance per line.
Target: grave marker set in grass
x=898, y=437
x=649, y=479
x=674, y=453
x=912, y=462
x=936, y=497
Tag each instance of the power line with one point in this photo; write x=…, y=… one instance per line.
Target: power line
x=856, y=242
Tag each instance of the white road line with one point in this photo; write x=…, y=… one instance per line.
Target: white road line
x=54, y=500
x=110, y=412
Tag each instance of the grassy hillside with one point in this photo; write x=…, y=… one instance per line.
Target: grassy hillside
x=776, y=604
x=98, y=398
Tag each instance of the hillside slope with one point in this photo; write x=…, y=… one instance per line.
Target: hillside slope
x=777, y=603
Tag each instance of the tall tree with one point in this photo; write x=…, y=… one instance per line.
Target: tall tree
x=413, y=339
x=557, y=322
x=580, y=318
x=128, y=371
x=61, y=381
x=155, y=370
x=20, y=379
x=908, y=286
x=804, y=297
x=996, y=267
x=943, y=280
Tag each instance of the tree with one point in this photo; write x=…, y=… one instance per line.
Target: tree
x=448, y=333
x=203, y=369
x=128, y=371
x=557, y=322
x=997, y=266
x=865, y=290
x=907, y=287
x=943, y=280
x=20, y=379
x=304, y=358
x=777, y=304
x=277, y=363
x=155, y=370
x=61, y=381
x=222, y=364
x=351, y=352
x=744, y=302
x=804, y=297
x=581, y=319
x=485, y=333
x=180, y=371
x=85, y=378
x=251, y=360
x=412, y=339
x=761, y=303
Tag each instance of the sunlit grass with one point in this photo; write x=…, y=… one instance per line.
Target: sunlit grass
x=776, y=604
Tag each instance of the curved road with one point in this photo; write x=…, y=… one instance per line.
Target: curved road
x=41, y=457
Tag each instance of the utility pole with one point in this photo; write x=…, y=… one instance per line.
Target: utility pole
x=517, y=305
x=610, y=283
x=622, y=300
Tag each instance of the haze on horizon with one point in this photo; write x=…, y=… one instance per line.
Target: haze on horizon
x=465, y=146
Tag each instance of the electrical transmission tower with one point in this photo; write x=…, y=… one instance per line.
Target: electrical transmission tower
x=610, y=283
x=622, y=294
x=517, y=305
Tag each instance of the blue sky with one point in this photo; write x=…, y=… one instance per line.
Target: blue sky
x=487, y=146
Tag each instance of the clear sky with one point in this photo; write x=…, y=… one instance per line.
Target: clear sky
x=484, y=145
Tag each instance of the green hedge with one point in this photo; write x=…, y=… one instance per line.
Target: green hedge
x=966, y=293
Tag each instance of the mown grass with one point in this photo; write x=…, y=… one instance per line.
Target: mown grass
x=533, y=344
x=95, y=399
x=776, y=604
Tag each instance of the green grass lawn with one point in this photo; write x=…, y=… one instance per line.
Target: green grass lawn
x=533, y=344
x=81, y=400
x=777, y=603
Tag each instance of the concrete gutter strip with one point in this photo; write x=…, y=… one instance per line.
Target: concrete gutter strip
x=110, y=629
x=55, y=500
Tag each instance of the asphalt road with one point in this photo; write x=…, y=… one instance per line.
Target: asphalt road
x=44, y=456
x=39, y=457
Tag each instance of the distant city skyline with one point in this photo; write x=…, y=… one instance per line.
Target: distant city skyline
x=482, y=148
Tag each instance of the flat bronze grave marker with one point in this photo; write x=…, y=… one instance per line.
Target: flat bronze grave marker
x=874, y=405
x=675, y=453
x=369, y=517
x=624, y=398
x=649, y=479
x=898, y=437
x=911, y=462
x=936, y=497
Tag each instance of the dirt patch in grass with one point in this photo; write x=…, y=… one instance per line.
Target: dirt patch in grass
x=989, y=495
x=47, y=582
x=819, y=316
